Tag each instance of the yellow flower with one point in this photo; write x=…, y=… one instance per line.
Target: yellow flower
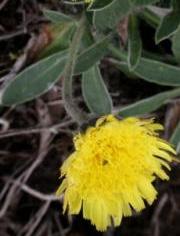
x=113, y=168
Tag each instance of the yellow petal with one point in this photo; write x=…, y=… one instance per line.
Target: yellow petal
x=96, y=211
x=74, y=201
x=136, y=200
x=163, y=154
x=100, y=215
x=162, y=144
x=147, y=190
x=126, y=209
x=62, y=187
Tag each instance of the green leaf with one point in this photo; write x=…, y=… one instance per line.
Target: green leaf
x=150, y=16
x=56, y=17
x=142, y=2
x=175, y=138
x=149, y=70
x=95, y=92
x=157, y=72
x=134, y=43
x=168, y=26
x=92, y=55
x=34, y=80
x=149, y=104
x=87, y=39
x=99, y=4
x=39, y=77
x=109, y=16
x=62, y=37
x=176, y=45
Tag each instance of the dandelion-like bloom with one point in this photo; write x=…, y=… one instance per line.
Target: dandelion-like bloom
x=112, y=169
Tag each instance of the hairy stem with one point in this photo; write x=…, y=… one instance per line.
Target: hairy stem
x=67, y=92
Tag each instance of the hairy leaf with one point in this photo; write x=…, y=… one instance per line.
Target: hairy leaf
x=134, y=43
x=149, y=104
x=108, y=17
x=175, y=138
x=56, y=16
x=92, y=55
x=168, y=26
x=34, y=80
x=149, y=69
x=95, y=92
x=99, y=4
x=176, y=45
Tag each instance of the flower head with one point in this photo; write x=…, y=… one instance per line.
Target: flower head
x=113, y=168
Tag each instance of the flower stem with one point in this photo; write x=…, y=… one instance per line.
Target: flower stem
x=67, y=91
